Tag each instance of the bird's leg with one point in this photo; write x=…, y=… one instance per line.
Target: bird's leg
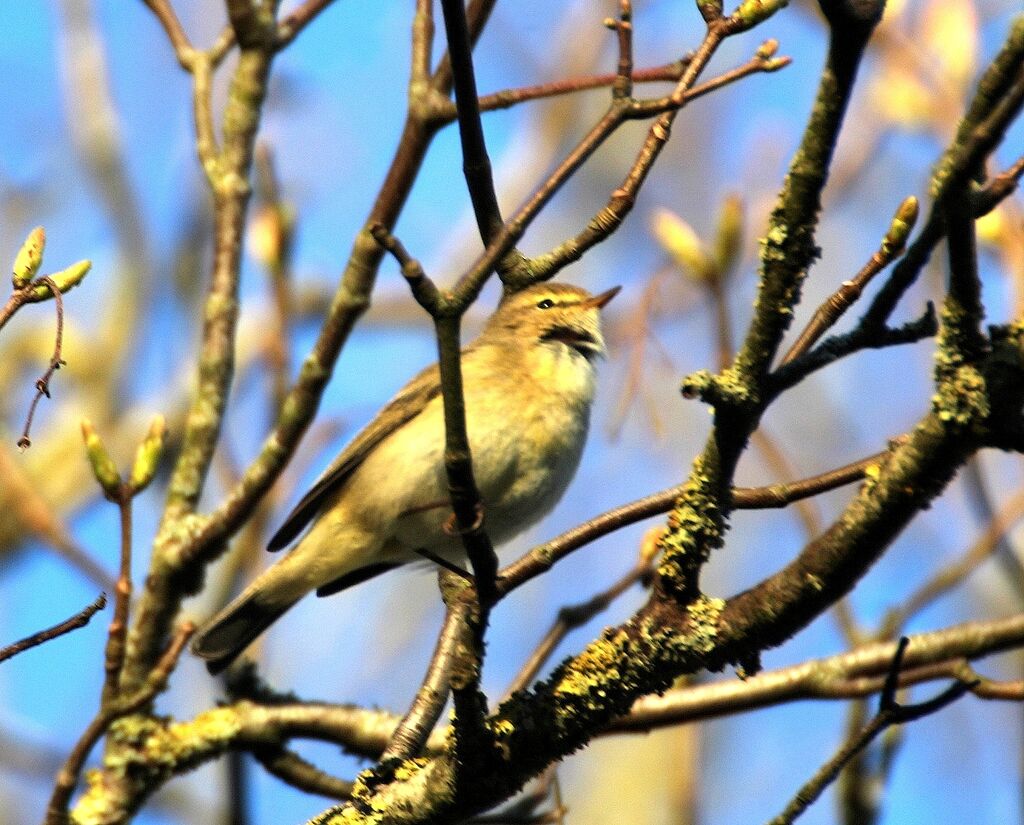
x=451, y=525
x=422, y=508
x=447, y=565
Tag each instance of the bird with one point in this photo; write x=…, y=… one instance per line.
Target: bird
x=528, y=386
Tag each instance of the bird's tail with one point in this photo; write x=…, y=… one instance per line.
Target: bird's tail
x=228, y=633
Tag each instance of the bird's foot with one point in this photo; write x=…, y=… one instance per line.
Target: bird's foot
x=451, y=525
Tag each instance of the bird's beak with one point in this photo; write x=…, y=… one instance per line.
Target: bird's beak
x=598, y=301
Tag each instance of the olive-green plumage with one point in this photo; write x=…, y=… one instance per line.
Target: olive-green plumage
x=528, y=385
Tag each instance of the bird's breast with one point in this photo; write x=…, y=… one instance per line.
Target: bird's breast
x=527, y=441
x=527, y=424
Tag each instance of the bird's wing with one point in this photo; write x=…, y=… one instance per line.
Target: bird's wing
x=409, y=402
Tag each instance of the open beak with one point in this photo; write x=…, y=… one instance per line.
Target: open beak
x=598, y=301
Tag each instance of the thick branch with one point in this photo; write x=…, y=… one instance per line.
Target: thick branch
x=859, y=673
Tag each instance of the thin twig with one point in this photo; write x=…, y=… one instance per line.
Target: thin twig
x=541, y=558
x=414, y=729
x=293, y=23
x=669, y=72
x=80, y=619
x=43, y=382
x=979, y=133
x=608, y=219
x=423, y=31
x=156, y=681
x=291, y=768
x=114, y=658
x=476, y=164
x=447, y=310
x=857, y=673
x=14, y=302
x=227, y=172
x=621, y=201
x=164, y=12
x=222, y=46
x=207, y=148
x=959, y=569
x=890, y=713
x=574, y=616
x=843, y=298
x=863, y=336
x=999, y=187
x=622, y=87
x=764, y=61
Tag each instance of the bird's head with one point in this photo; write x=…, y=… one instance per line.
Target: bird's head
x=552, y=315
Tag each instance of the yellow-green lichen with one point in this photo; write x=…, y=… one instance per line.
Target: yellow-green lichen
x=410, y=767
x=503, y=730
x=695, y=528
x=594, y=668
x=772, y=243
x=962, y=397
x=95, y=804
x=704, y=613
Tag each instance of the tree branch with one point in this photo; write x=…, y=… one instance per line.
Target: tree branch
x=542, y=558
x=80, y=619
x=476, y=165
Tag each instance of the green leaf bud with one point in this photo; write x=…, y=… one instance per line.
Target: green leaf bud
x=103, y=467
x=147, y=456
x=29, y=258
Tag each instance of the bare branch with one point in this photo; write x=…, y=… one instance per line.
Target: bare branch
x=414, y=729
x=56, y=361
x=80, y=619
x=859, y=673
x=156, y=681
x=890, y=713
x=291, y=768
x=476, y=164
x=836, y=304
x=122, y=600
x=293, y=23
x=540, y=559
x=668, y=72
x=957, y=571
x=574, y=616
x=164, y=12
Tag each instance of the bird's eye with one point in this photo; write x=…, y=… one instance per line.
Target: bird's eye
x=547, y=303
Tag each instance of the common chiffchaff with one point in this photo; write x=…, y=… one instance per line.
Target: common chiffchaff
x=528, y=385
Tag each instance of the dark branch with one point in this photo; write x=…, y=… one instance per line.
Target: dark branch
x=80, y=619
x=475, y=162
